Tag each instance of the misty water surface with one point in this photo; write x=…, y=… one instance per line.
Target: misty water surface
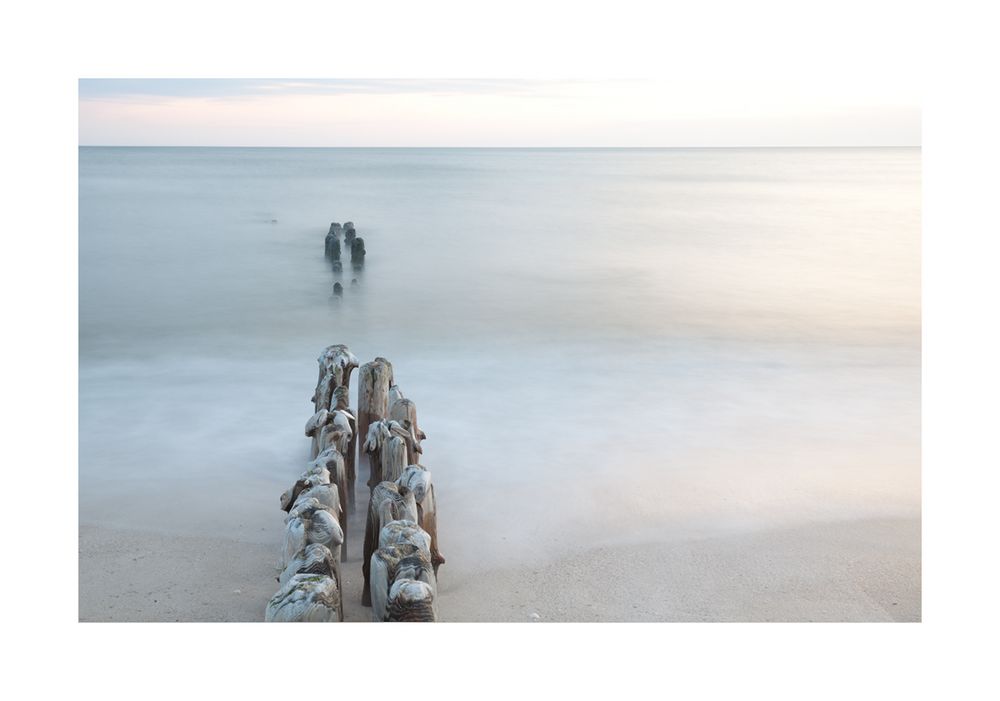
x=604, y=345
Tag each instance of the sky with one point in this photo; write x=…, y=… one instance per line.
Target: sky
x=760, y=111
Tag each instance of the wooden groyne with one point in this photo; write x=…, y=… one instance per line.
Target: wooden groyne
x=401, y=555
x=353, y=245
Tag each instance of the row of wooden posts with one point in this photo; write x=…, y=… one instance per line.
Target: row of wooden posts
x=401, y=554
x=332, y=249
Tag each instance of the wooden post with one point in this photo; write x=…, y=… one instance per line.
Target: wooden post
x=332, y=461
x=341, y=403
x=314, y=427
x=336, y=363
x=417, y=479
x=374, y=380
x=390, y=449
x=410, y=601
x=358, y=253
x=306, y=597
x=377, y=433
x=394, y=562
x=316, y=559
x=387, y=503
x=404, y=411
x=333, y=242
x=395, y=394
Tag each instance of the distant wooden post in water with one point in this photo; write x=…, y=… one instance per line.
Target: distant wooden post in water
x=358, y=253
x=333, y=242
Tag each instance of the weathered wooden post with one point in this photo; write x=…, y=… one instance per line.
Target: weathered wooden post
x=341, y=402
x=404, y=411
x=332, y=460
x=417, y=479
x=389, y=450
x=392, y=563
x=306, y=597
x=332, y=247
x=388, y=504
x=336, y=363
x=358, y=253
x=374, y=380
x=410, y=601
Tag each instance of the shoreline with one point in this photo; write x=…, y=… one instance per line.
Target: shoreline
x=859, y=570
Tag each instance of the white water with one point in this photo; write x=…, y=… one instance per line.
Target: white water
x=603, y=345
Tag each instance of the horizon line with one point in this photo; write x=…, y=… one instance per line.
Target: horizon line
x=816, y=146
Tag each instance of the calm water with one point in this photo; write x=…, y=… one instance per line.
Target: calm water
x=604, y=345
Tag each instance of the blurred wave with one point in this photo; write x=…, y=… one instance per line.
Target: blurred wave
x=611, y=343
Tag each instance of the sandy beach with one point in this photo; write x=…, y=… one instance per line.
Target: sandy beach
x=865, y=570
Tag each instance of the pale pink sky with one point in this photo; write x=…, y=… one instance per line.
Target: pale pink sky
x=242, y=112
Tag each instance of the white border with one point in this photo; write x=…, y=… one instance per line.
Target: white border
x=50, y=47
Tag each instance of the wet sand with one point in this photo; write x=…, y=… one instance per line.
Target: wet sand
x=865, y=570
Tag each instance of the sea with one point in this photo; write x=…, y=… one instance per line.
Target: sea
x=604, y=345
